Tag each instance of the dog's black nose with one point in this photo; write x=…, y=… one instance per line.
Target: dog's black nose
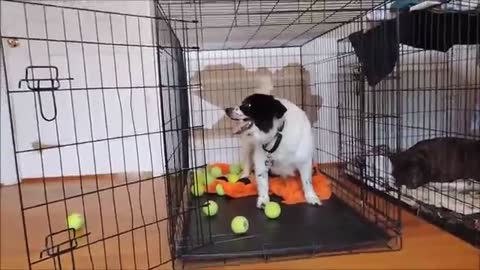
x=228, y=111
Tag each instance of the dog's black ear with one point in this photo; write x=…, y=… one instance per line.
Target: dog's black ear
x=279, y=109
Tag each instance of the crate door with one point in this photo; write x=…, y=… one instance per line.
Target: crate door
x=351, y=105
x=84, y=89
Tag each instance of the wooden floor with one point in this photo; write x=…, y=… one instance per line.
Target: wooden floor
x=424, y=246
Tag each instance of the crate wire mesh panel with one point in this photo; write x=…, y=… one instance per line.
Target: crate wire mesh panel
x=261, y=24
x=413, y=103
x=99, y=108
x=114, y=107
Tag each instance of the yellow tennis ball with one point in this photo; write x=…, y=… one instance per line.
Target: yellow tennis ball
x=210, y=179
x=220, y=190
x=75, y=221
x=239, y=224
x=210, y=208
x=216, y=171
x=235, y=169
x=200, y=177
x=197, y=190
x=233, y=178
x=272, y=210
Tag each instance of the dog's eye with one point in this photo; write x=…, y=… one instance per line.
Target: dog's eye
x=246, y=106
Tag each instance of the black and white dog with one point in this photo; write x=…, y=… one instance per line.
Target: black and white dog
x=275, y=135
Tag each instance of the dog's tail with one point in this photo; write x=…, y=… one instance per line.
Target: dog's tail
x=264, y=84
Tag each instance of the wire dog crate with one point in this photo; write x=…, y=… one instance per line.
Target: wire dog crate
x=420, y=83
x=114, y=107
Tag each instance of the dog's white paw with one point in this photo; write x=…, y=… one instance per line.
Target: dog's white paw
x=312, y=199
x=262, y=200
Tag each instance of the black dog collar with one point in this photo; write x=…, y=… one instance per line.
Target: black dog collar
x=278, y=139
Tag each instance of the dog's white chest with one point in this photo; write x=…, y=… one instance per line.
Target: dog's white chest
x=280, y=165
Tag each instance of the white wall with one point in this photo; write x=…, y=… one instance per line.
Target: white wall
x=320, y=58
x=83, y=116
x=7, y=161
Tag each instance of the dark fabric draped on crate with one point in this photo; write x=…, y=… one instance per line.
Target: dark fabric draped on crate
x=377, y=49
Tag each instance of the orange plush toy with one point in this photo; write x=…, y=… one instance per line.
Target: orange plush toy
x=289, y=189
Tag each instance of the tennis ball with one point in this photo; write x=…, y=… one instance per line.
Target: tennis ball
x=239, y=224
x=272, y=210
x=216, y=171
x=235, y=169
x=75, y=221
x=210, y=208
x=233, y=178
x=210, y=179
x=200, y=177
x=219, y=189
x=197, y=190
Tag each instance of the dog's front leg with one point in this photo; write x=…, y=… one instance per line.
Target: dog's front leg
x=311, y=197
x=261, y=172
x=247, y=150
